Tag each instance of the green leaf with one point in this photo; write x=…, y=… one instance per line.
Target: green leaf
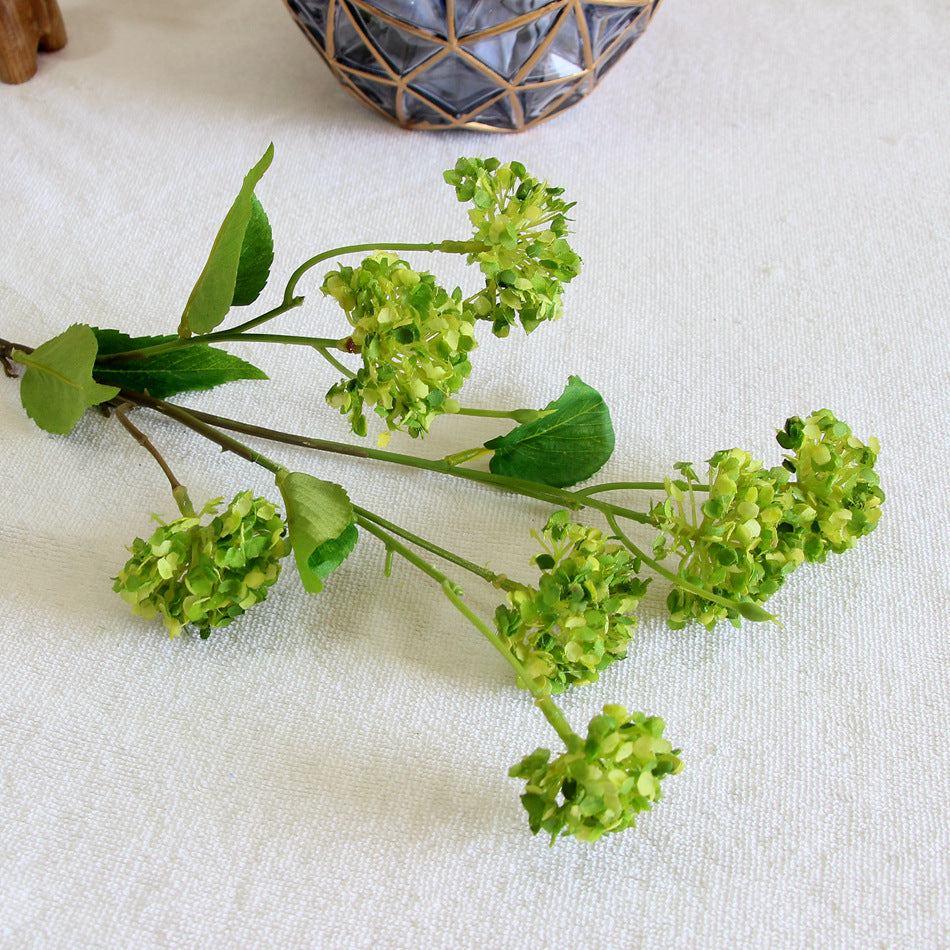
x=188, y=369
x=57, y=387
x=212, y=295
x=565, y=446
x=257, y=255
x=320, y=522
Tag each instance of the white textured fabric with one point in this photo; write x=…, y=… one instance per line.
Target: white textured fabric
x=763, y=207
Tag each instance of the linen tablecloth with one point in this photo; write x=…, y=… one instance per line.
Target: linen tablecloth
x=763, y=208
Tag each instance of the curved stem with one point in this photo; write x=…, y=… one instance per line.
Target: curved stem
x=290, y=300
x=447, y=247
x=608, y=509
x=335, y=363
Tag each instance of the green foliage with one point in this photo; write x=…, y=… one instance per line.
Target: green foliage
x=239, y=262
x=579, y=619
x=834, y=479
x=569, y=443
x=523, y=223
x=257, y=255
x=206, y=575
x=57, y=387
x=413, y=338
x=735, y=537
x=165, y=374
x=599, y=785
x=320, y=521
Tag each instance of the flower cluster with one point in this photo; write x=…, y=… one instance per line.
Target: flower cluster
x=834, y=479
x=757, y=525
x=206, y=575
x=526, y=259
x=734, y=545
x=599, y=785
x=578, y=620
x=413, y=337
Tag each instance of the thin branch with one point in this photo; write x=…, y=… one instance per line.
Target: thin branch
x=146, y=444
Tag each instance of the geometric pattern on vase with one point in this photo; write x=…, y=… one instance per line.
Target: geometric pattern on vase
x=479, y=64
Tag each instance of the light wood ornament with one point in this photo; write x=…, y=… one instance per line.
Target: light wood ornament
x=25, y=27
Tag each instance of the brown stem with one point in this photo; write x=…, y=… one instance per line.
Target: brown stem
x=6, y=357
x=146, y=444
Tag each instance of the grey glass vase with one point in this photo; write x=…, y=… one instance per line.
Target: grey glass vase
x=479, y=64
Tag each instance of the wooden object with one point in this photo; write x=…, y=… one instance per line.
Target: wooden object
x=25, y=27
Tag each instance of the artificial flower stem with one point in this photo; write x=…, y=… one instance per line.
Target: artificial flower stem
x=230, y=336
x=546, y=493
x=211, y=433
x=467, y=455
x=542, y=699
x=496, y=580
x=392, y=545
x=366, y=519
x=223, y=336
x=291, y=301
x=447, y=247
x=748, y=610
x=634, y=486
x=520, y=416
x=335, y=363
x=179, y=491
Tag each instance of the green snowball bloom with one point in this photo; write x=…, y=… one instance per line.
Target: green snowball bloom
x=737, y=544
x=579, y=619
x=757, y=525
x=523, y=223
x=599, y=785
x=209, y=574
x=834, y=480
x=414, y=339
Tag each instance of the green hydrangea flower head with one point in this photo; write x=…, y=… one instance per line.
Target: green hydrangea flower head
x=414, y=339
x=206, y=574
x=600, y=785
x=579, y=619
x=737, y=544
x=834, y=480
x=523, y=224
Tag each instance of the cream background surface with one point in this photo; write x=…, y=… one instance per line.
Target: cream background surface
x=763, y=207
